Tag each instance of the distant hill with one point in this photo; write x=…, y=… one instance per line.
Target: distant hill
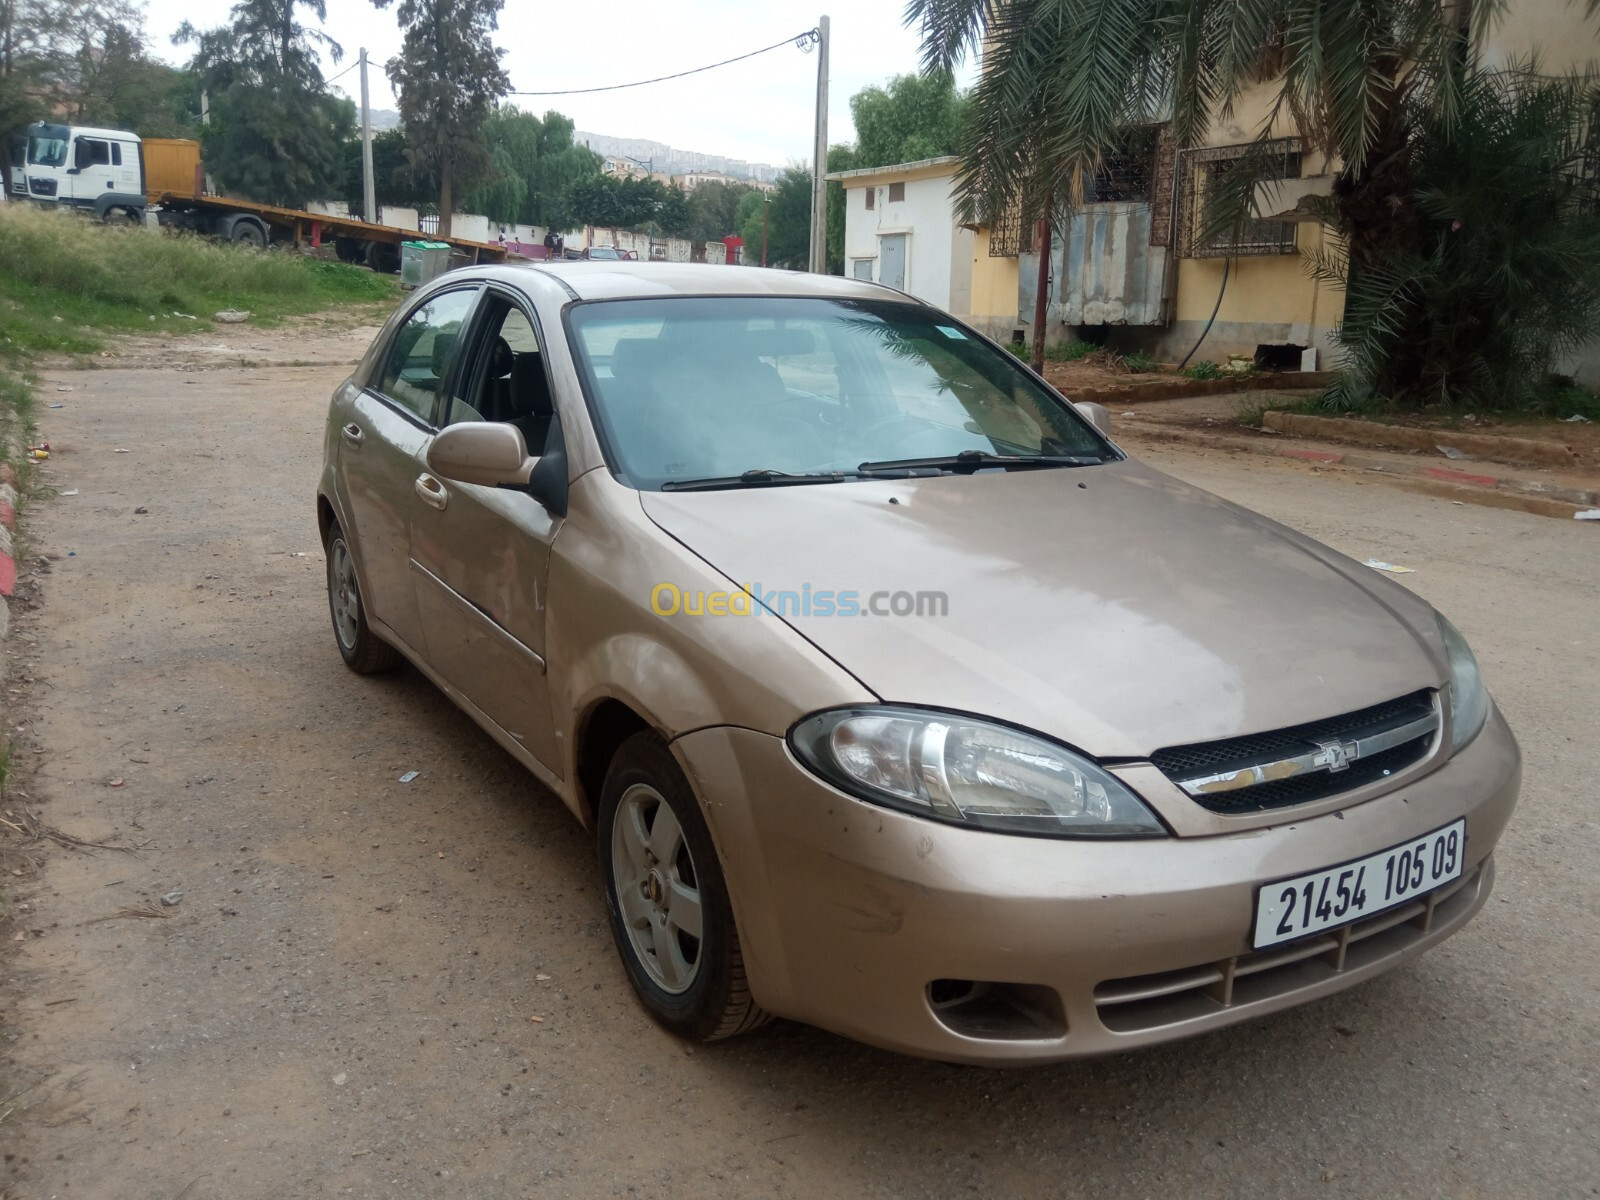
x=674, y=161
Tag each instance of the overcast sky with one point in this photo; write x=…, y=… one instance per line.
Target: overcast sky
x=760, y=109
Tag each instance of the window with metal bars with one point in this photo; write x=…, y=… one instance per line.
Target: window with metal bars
x=1201, y=173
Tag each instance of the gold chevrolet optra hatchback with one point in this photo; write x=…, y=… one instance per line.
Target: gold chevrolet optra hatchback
x=900, y=700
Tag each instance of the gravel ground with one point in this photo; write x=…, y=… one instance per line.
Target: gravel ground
x=375, y=989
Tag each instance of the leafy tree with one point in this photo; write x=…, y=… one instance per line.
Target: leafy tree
x=788, y=223
x=448, y=76
x=914, y=117
x=274, y=132
x=714, y=208
x=645, y=205
x=25, y=42
x=393, y=182
x=535, y=163
x=1064, y=78
x=1503, y=277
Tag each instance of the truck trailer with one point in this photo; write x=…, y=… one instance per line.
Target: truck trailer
x=118, y=177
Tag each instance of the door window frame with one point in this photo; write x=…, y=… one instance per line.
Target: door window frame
x=430, y=421
x=478, y=346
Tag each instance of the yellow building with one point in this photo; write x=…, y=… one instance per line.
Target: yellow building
x=1160, y=293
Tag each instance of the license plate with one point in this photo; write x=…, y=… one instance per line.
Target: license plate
x=1293, y=908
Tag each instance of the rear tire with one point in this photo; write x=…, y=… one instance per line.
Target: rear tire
x=362, y=650
x=667, y=898
x=248, y=234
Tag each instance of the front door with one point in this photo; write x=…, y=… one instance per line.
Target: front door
x=383, y=434
x=481, y=555
x=892, y=260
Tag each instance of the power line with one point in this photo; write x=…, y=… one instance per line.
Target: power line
x=342, y=73
x=803, y=41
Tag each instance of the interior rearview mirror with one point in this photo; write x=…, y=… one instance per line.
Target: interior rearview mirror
x=1095, y=414
x=485, y=452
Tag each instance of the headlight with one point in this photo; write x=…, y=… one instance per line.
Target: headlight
x=968, y=772
x=1469, y=701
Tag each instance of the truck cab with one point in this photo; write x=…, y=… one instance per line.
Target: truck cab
x=100, y=171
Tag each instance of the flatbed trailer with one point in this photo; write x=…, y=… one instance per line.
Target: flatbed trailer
x=175, y=186
x=244, y=222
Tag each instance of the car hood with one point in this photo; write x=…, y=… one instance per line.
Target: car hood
x=1112, y=607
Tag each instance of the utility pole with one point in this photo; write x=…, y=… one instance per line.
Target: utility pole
x=819, y=186
x=369, y=190
x=766, y=209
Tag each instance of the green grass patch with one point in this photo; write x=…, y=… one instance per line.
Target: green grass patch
x=1139, y=362
x=1068, y=351
x=1204, y=369
x=64, y=281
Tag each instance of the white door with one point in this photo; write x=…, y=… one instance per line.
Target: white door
x=892, y=260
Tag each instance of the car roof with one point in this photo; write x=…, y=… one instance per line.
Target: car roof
x=613, y=279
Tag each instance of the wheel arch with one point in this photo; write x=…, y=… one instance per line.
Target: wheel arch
x=605, y=726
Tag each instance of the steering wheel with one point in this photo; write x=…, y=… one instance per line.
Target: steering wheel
x=914, y=424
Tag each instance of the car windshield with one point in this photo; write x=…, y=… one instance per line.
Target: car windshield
x=47, y=151
x=763, y=390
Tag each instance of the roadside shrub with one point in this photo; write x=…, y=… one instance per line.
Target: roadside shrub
x=1068, y=351
x=1204, y=369
x=1140, y=363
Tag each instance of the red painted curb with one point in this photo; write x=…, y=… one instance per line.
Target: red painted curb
x=8, y=515
x=1449, y=476
x=8, y=574
x=1317, y=456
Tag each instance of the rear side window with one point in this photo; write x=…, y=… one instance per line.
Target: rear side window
x=423, y=352
x=116, y=154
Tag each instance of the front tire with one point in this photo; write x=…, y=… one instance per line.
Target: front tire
x=667, y=898
x=363, y=652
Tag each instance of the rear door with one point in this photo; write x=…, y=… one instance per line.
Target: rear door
x=383, y=437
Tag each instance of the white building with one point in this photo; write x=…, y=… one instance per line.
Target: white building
x=900, y=229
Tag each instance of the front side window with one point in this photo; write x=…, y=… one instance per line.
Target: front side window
x=691, y=388
x=424, y=350
x=92, y=152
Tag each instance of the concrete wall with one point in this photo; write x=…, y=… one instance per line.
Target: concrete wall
x=400, y=218
x=992, y=308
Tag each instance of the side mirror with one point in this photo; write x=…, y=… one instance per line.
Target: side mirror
x=1095, y=414
x=486, y=452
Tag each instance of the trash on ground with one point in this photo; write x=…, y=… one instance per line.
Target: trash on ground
x=1588, y=514
x=61, y=387
x=116, y=783
x=409, y=776
x=232, y=316
x=537, y=1020
x=172, y=899
x=1577, y=419
x=140, y=511
x=542, y=978
x=1392, y=568
x=58, y=406
x=1450, y=452
x=120, y=450
x=70, y=492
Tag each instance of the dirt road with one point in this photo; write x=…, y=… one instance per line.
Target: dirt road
x=378, y=989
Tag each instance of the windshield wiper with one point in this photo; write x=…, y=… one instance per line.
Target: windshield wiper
x=969, y=461
x=759, y=477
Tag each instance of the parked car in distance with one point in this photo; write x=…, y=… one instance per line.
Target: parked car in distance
x=610, y=254
x=899, y=700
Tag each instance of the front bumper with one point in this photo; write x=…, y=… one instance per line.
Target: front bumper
x=870, y=922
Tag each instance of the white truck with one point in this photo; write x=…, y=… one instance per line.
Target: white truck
x=100, y=171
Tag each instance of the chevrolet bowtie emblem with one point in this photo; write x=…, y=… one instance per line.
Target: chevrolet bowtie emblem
x=1335, y=755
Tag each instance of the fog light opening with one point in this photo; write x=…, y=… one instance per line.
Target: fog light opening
x=1016, y=1012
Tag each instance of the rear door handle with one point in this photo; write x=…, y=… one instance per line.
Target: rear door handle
x=432, y=491
x=352, y=434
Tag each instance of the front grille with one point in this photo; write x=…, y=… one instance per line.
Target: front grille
x=1144, y=1002
x=1181, y=763
x=42, y=187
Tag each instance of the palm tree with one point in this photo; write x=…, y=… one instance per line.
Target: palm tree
x=1358, y=79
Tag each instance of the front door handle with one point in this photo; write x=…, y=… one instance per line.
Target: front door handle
x=432, y=491
x=352, y=434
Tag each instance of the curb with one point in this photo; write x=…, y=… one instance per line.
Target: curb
x=1549, y=499
x=1491, y=447
x=1185, y=389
